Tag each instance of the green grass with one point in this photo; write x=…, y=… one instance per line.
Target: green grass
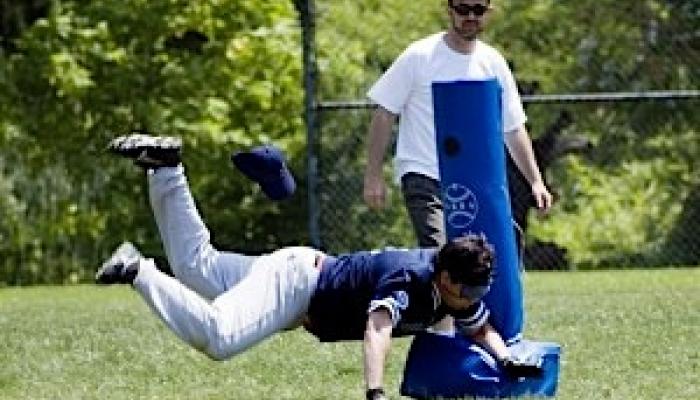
x=625, y=334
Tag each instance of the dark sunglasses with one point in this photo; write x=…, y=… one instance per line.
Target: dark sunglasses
x=465, y=9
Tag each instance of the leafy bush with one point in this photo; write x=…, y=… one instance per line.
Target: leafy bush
x=93, y=70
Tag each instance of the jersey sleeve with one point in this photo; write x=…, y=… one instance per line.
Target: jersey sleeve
x=471, y=320
x=392, y=89
x=392, y=294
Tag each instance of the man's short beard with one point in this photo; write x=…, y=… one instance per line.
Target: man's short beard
x=471, y=36
x=468, y=37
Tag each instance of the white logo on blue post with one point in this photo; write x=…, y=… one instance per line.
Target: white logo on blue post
x=461, y=206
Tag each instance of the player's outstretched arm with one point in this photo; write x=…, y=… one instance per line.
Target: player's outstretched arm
x=377, y=342
x=491, y=341
x=512, y=367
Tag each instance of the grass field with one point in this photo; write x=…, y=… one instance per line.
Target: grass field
x=625, y=334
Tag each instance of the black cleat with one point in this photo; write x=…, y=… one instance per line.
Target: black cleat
x=121, y=267
x=514, y=368
x=148, y=151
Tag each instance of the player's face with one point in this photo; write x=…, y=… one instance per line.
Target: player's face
x=468, y=17
x=452, y=293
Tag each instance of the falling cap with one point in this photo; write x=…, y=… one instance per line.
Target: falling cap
x=266, y=166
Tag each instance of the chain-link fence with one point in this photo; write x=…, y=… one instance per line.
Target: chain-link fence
x=616, y=138
x=612, y=93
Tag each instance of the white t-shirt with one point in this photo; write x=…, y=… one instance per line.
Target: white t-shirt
x=406, y=89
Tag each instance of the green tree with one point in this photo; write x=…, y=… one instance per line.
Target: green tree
x=649, y=149
x=93, y=70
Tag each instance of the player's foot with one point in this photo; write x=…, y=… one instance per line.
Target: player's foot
x=121, y=267
x=148, y=151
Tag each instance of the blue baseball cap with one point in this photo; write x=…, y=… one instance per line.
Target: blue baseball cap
x=266, y=166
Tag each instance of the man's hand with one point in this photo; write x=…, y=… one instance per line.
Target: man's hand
x=514, y=368
x=374, y=191
x=520, y=149
x=543, y=198
x=380, y=132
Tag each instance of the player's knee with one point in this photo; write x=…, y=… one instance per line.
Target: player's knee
x=222, y=349
x=216, y=354
x=215, y=348
x=223, y=341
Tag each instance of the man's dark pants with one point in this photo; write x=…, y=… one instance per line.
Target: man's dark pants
x=424, y=204
x=422, y=197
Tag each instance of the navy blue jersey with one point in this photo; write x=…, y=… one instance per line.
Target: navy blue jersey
x=351, y=286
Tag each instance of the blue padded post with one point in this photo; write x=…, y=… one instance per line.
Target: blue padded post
x=475, y=191
x=469, y=136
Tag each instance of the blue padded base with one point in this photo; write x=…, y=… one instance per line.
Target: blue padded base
x=440, y=366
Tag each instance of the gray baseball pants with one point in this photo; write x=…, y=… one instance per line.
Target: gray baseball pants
x=220, y=303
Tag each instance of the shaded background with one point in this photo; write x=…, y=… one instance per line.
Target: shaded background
x=228, y=74
x=610, y=90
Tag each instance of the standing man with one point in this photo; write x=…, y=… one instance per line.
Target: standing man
x=405, y=90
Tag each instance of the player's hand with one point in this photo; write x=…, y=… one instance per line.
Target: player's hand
x=514, y=368
x=543, y=199
x=374, y=191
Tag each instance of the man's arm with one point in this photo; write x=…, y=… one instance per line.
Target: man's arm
x=376, y=346
x=520, y=149
x=380, y=131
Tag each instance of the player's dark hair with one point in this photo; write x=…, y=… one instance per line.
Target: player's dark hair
x=467, y=260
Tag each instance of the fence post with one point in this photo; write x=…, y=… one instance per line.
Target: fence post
x=307, y=16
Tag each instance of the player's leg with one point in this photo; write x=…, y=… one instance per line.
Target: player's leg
x=186, y=239
x=271, y=298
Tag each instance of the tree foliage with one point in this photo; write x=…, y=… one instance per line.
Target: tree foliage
x=226, y=74
x=92, y=70
x=631, y=202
